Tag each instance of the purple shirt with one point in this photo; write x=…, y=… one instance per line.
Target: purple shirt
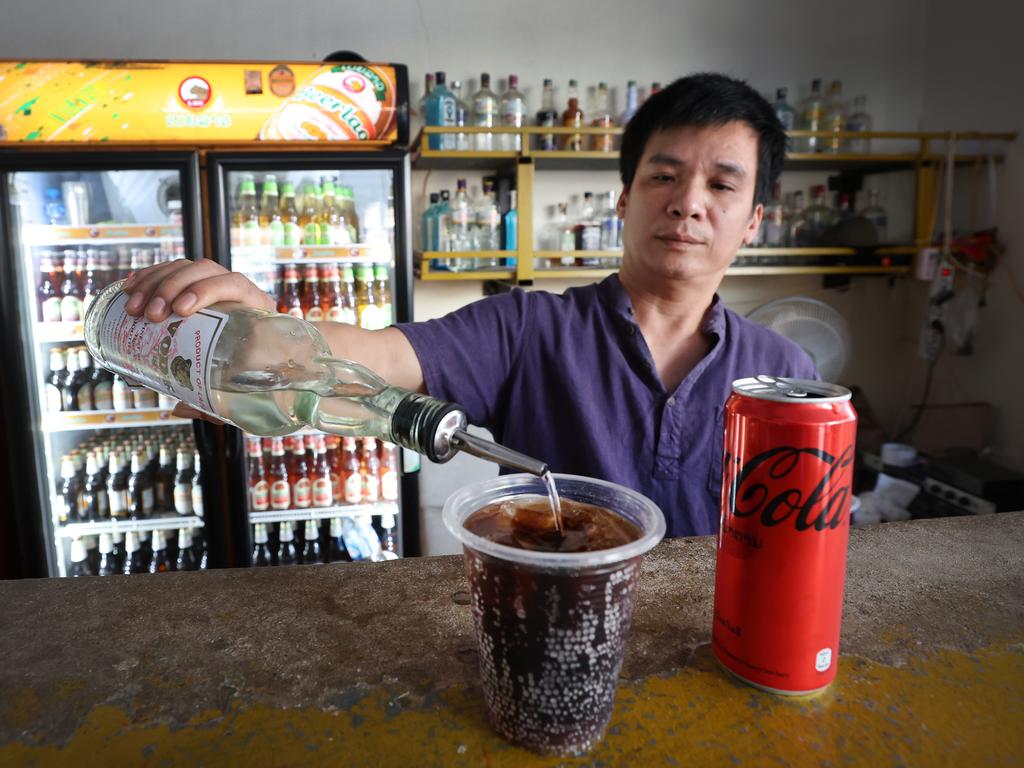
x=569, y=379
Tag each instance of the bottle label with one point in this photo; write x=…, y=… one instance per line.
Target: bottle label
x=301, y=493
x=354, y=488
x=54, y=399
x=280, y=495
x=389, y=485
x=336, y=315
x=51, y=310
x=276, y=229
x=197, y=499
x=371, y=489
x=314, y=314
x=102, y=503
x=311, y=234
x=172, y=355
x=144, y=398
x=70, y=309
x=371, y=317
x=321, y=492
x=147, y=500
x=183, y=498
x=250, y=233
x=102, y=396
x=336, y=489
x=292, y=233
x=259, y=498
x=118, y=501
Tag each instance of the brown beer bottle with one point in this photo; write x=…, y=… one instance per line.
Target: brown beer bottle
x=310, y=554
x=261, y=555
x=85, y=366
x=102, y=382
x=70, y=291
x=320, y=475
x=80, y=565
x=182, y=491
x=140, y=491
x=259, y=488
x=299, y=476
x=91, y=285
x=332, y=304
x=55, y=381
x=109, y=565
x=333, y=443
x=311, y=298
x=573, y=117
x=389, y=472
x=160, y=563
x=134, y=559
x=369, y=466
x=290, y=301
x=186, y=553
x=351, y=477
x=277, y=476
x=336, y=550
x=117, y=554
x=72, y=506
x=117, y=487
x=48, y=289
x=287, y=555
x=73, y=380
x=163, y=486
x=95, y=496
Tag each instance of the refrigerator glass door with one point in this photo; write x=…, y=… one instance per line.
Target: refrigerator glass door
x=321, y=240
x=111, y=454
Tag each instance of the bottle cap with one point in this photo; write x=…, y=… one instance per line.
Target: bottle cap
x=312, y=531
x=131, y=542
x=78, y=554
x=106, y=544
x=286, y=533
x=184, y=538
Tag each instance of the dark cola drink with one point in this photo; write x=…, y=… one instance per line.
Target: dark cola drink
x=552, y=609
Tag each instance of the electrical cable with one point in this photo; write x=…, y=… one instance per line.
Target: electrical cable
x=907, y=430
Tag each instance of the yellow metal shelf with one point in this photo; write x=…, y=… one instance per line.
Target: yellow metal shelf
x=740, y=271
x=426, y=271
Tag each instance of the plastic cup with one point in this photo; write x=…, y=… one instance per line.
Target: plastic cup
x=551, y=627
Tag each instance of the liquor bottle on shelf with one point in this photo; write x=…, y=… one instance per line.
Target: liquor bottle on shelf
x=463, y=117
x=290, y=300
x=421, y=104
x=603, y=142
x=109, y=565
x=877, y=215
x=812, y=118
x=459, y=217
x=794, y=209
x=510, y=226
x=561, y=237
x=488, y=226
x=835, y=118
x=277, y=475
x=55, y=381
x=485, y=114
x=287, y=554
x=182, y=492
x=311, y=298
x=587, y=231
x=256, y=473
x=611, y=230
x=632, y=104
x=160, y=562
x=271, y=225
x=440, y=109
x=261, y=555
x=186, y=559
x=80, y=565
x=859, y=121
x=428, y=224
x=815, y=219
x=774, y=223
x=248, y=213
x=70, y=292
x=134, y=561
x=388, y=540
x=783, y=111
x=310, y=554
x=291, y=231
x=547, y=116
x=336, y=551
x=573, y=117
x=299, y=476
x=48, y=288
x=513, y=113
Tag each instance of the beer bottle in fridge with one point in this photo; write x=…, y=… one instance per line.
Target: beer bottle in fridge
x=140, y=491
x=320, y=474
x=92, y=551
x=72, y=508
x=145, y=548
x=85, y=366
x=117, y=487
x=117, y=551
x=102, y=382
x=383, y=293
x=134, y=559
x=369, y=466
x=286, y=554
x=186, y=560
x=91, y=285
x=333, y=444
x=311, y=298
x=70, y=292
x=311, y=546
x=160, y=562
x=55, y=381
x=351, y=476
x=336, y=551
x=271, y=226
x=290, y=300
x=277, y=476
x=256, y=473
x=261, y=556
x=163, y=487
x=388, y=539
x=289, y=215
x=199, y=548
x=79, y=560
x=48, y=289
x=108, y=560
x=366, y=298
x=182, y=491
x=348, y=295
x=96, y=504
x=301, y=490
x=332, y=304
x=73, y=380
x=389, y=472
x=197, y=485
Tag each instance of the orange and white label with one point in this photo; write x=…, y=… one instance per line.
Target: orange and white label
x=259, y=496
x=389, y=485
x=183, y=498
x=322, y=492
x=354, y=488
x=301, y=493
x=280, y=495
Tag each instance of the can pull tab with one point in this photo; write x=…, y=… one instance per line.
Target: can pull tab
x=781, y=386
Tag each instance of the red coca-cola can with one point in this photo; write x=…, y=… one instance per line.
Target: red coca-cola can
x=785, y=523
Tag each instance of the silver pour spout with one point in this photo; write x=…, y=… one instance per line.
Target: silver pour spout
x=499, y=454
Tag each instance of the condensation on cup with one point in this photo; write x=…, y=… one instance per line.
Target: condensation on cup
x=340, y=102
x=785, y=522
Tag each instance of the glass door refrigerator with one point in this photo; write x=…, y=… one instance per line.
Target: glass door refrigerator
x=105, y=474
x=325, y=233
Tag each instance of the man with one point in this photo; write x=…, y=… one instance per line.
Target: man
x=623, y=380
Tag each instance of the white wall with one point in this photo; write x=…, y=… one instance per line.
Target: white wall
x=876, y=47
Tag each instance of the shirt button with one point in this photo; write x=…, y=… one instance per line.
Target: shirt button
x=632, y=330
x=671, y=401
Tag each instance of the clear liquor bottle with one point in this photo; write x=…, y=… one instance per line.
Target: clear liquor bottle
x=440, y=108
x=632, y=103
x=783, y=111
x=817, y=217
x=602, y=119
x=774, y=223
x=460, y=221
x=488, y=226
x=859, y=121
x=513, y=113
x=611, y=231
x=794, y=219
x=877, y=215
x=462, y=117
x=588, y=231
x=812, y=118
x=562, y=237
x=485, y=114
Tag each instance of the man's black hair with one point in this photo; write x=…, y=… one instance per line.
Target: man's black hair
x=708, y=99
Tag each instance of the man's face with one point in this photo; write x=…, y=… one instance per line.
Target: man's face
x=690, y=206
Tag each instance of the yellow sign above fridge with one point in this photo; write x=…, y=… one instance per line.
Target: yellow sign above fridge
x=196, y=102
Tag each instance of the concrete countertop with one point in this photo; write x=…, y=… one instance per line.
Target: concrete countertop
x=375, y=664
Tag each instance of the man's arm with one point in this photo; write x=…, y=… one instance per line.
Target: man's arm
x=185, y=287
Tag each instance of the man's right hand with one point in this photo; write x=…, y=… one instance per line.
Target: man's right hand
x=185, y=287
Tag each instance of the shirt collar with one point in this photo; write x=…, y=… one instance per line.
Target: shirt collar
x=617, y=300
